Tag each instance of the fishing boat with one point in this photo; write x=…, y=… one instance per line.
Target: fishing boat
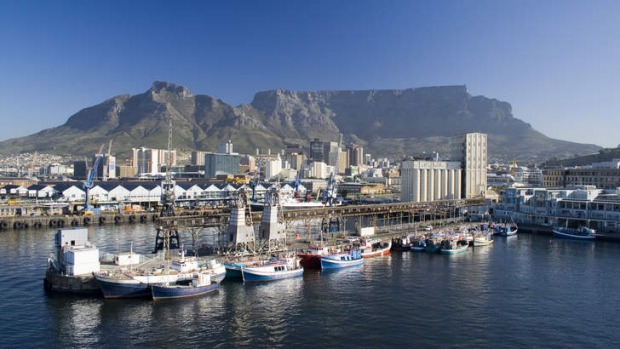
x=452, y=246
x=483, y=239
x=233, y=266
x=311, y=258
x=136, y=281
x=342, y=260
x=374, y=247
x=281, y=268
x=431, y=246
x=401, y=244
x=580, y=233
x=419, y=245
x=200, y=285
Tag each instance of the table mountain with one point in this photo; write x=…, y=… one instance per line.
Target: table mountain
x=392, y=123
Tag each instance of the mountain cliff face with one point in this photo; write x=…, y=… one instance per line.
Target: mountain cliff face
x=386, y=122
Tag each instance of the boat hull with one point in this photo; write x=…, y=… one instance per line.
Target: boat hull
x=259, y=276
x=310, y=261
x=131, y=287
x=454, y=251
x=173, y=292
x=562, y=234
x=332, y=263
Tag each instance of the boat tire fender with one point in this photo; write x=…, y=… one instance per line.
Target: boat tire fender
x=4, y=225
x=117, y=219
x=132, y=219
x=18, y=225
x=101, y=220
x=74, y=223
x=37, y=224
x=61, y=223
x=87, y=221
x=142, y=219
x=53, y=223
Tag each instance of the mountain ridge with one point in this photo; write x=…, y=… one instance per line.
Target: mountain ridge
x=388, y=123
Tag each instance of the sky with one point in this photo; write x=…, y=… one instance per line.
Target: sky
x=556, y=62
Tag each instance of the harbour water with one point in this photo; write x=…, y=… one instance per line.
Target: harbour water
x=525, y=291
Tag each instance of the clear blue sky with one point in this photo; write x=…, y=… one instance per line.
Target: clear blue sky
x=556, y=62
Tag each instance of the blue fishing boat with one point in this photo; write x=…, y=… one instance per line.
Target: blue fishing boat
x=419, y=246
x=281, y=268
x=342, y=260
x=201, y=284
x=451, y=246
x=581, y=233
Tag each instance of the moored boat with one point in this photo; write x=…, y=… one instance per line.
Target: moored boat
x=483, y=239
x=201, y=284
x=419, y=245
x=401, y=244
x=580, y=233
x=342, y=260
x=274, y=270
x=451, y=246
x=71, y=270
x=374, y=248
x=431, y=246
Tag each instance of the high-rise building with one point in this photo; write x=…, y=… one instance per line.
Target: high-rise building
x=317, y=150
x=356, y=155
x=218, y=164
x=423, y=180
x=150, y=160
x=198, y=158
x=471, y=151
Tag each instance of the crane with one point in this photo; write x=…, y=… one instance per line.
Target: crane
x=168, y=238
x=88, y=184
x=330, y=193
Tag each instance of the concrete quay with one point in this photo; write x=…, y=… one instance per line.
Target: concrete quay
x=19, y=223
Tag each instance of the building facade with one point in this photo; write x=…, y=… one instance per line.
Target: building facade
x=471, y=151
x=218, y=164
x=423, y=180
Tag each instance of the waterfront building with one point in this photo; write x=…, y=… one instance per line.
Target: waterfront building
x=423, y=180
x=601, y=177
x=526, y=175
x=576, y=206
x=471, y=151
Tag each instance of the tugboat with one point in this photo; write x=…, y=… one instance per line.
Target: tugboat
x=71, y=270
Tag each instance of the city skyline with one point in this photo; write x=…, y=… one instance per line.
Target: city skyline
x=554, y=61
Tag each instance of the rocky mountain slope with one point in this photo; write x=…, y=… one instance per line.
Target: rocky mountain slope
x=392, y=123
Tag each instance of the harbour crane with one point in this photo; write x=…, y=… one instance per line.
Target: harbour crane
x=167, y=238
x=90, y=178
